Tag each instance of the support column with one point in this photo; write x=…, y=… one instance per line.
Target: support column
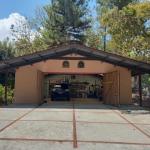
x=105, y=38
x=140, y=89
x=6, y=87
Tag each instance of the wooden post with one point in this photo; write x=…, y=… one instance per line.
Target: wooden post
x=140, y=89
x=105, y=38
x=6, y=87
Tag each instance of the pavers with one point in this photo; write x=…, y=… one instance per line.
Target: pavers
x=11, y=115
x=66, y=125
x=39, y=130
x=49, y=115
x=99, y=117
x=110, y=133
x=29, y=145
x=138, y=118
x=101, y=146
x=93, y=107
x=145, y=128
x=57, y=106
x=4, y=123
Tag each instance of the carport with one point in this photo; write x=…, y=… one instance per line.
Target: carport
x=116, y=70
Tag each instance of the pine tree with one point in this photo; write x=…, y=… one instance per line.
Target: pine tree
x=65, y=20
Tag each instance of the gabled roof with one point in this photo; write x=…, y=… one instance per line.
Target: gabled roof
x=57, y=52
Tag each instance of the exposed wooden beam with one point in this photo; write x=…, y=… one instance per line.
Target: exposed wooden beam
x=74, y=58
x=26, y=60
x=8, y=64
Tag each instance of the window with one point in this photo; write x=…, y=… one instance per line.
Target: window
x=66, y=64
x=81, y=64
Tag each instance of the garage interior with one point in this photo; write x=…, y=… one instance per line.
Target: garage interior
x=80, y=86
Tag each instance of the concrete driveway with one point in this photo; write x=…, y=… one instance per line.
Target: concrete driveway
x=68, y=125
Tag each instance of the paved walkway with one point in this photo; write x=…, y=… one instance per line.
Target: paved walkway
x=68, y=125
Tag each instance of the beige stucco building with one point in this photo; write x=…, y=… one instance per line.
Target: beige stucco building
x=115, y=72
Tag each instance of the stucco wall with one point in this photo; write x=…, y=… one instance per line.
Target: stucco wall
x=29, y=79
x=55, y=66
x=28, y=85
x=40, y=86
x=125, y=86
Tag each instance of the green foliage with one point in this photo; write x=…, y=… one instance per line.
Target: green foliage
x=65, y=20
x=104, y=7
x=119, y=4
x=130, y=36
x=1, y=93
x=146, y=83
x=23, y=46
x=57, y=22
x=93, y=39
x=9, y=94
x=39, y=44
x=146, y=80
x=6, y=49
x=23, y=37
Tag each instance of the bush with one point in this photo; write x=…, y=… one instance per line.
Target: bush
x=9, y=94
x=1, y=93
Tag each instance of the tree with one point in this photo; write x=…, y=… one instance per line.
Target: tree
x=94, y=39
x=57, y=22
x=23, y=36
x=115, y=3
x=146, y=80
x=64, y=20
x=129, y=34
x=104, y=7
x=6, y=49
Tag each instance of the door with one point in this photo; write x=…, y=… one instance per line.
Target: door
x=111, y=88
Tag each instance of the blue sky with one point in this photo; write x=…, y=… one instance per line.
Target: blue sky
x=13, y=10
x=23, y=7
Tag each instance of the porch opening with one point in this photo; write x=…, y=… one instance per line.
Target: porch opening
x=77, y=87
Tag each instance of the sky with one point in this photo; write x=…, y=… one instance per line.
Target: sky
x=23, y=7
x=12, y=10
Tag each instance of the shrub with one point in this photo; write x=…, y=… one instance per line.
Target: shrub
x=1, y=93
x=9, y=94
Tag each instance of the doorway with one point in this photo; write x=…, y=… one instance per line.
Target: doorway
x=80, y=86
